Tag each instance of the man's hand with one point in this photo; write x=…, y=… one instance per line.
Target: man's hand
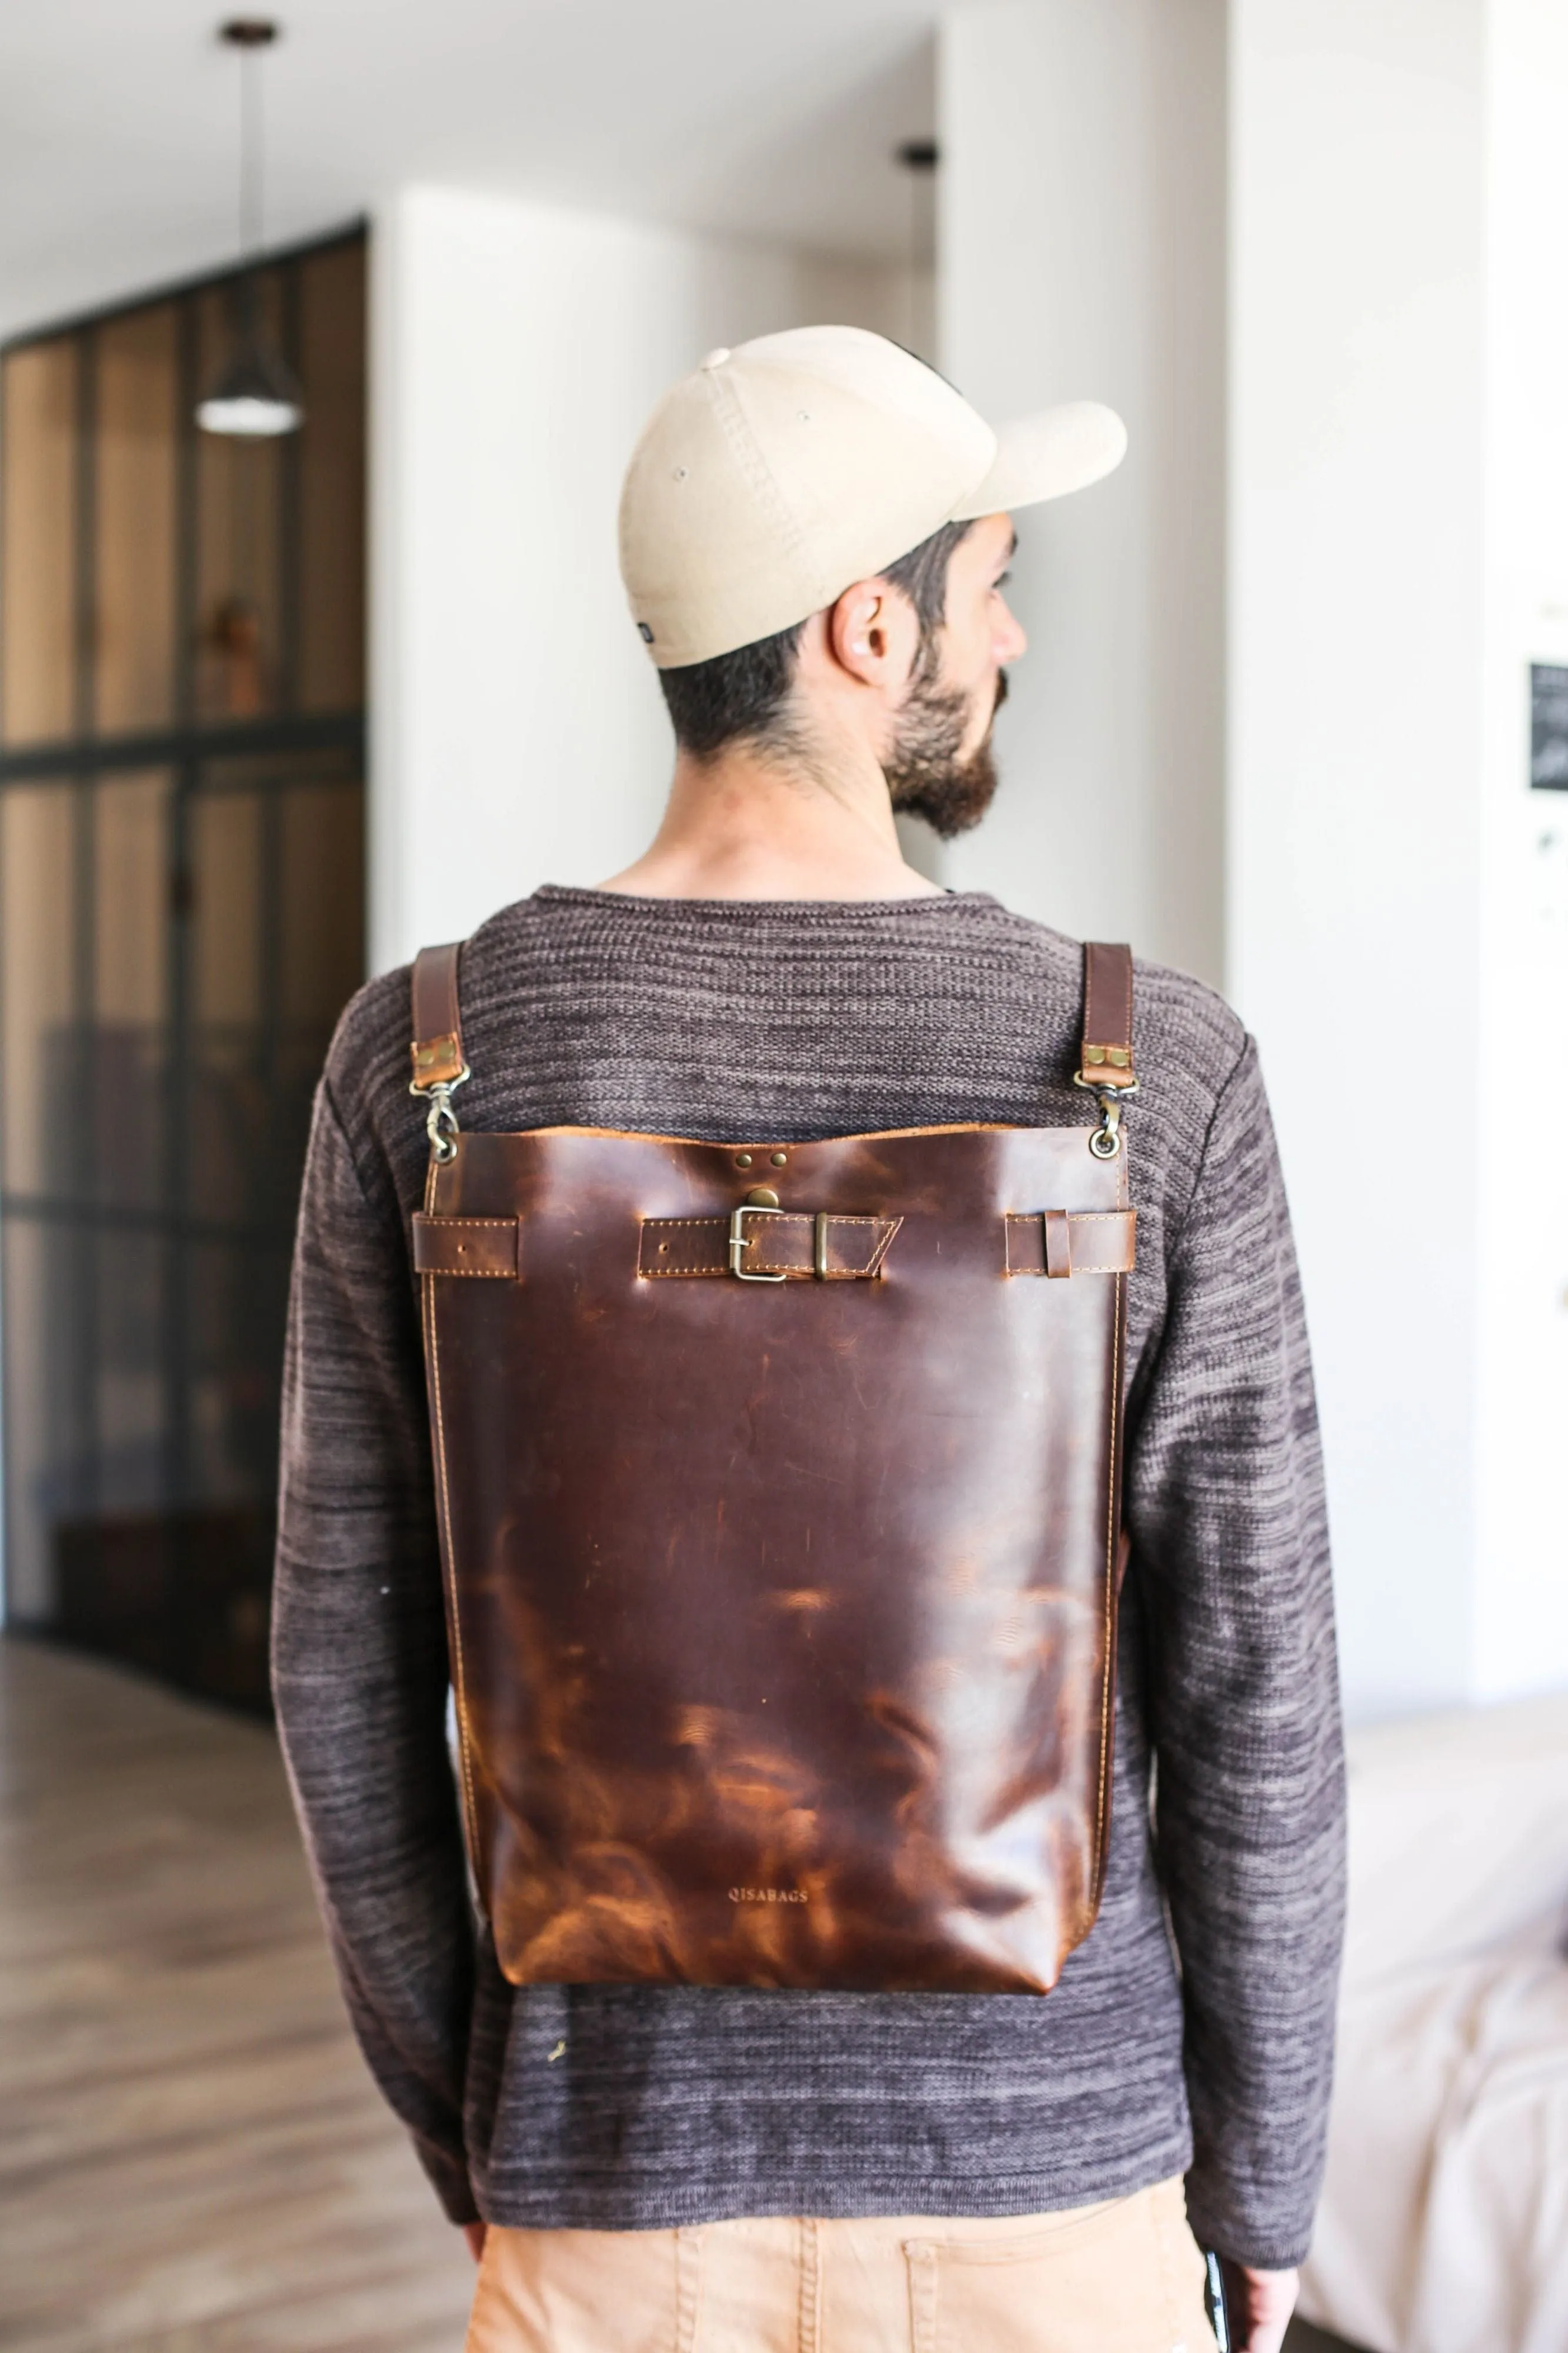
x=1259, y=2304
x=474, y=2232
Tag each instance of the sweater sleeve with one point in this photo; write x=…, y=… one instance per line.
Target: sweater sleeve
x=359, y=1654
x=1226, y=1512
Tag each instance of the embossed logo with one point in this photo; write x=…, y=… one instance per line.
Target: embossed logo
x=769, y=1896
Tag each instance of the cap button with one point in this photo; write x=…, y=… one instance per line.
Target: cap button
x=718, y=358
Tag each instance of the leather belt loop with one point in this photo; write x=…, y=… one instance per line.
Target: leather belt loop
x=487, y=1247
x=1105, y=1057
x=439, y=1065
x=1062, y=1242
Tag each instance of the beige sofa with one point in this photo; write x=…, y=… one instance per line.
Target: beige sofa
x=1444, y=2225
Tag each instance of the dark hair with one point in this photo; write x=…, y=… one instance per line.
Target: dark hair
x=741, y=696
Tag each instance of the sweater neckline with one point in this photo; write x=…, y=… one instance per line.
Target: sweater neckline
x=758, y=910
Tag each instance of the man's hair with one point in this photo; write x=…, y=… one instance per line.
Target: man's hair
x=741, y=696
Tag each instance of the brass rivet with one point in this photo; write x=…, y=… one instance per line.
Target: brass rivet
x=761, y=1196
x=743, y=1159
x=780, y=1159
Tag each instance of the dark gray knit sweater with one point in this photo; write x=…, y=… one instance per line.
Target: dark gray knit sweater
x=1193, y=2029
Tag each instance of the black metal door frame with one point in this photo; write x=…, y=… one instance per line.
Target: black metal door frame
x=196, y=754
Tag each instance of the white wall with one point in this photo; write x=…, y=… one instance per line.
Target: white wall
x=1399, y=491
x=1519, y=1622
x=518, y=731
x=1310, y=248
x=1082, y=255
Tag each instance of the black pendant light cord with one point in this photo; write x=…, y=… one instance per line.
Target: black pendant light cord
x=920, y=158
x=250, y=35
x=250, y=135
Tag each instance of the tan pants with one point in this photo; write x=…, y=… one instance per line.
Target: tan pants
x=1124, y=2277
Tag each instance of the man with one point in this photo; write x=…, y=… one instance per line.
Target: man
x=815, y=540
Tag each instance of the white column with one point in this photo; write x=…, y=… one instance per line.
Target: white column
x=1081, y=255
x=518, y=731
x=1520, y=1615
x=1399, y=492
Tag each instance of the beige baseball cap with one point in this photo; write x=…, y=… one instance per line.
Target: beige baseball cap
x=776, y=475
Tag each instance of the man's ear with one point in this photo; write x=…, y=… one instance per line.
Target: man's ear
x=872, y=633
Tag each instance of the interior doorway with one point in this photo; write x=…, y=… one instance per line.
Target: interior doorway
x=181, y=918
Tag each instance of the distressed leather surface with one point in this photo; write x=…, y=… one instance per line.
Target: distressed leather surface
x=783, y=1614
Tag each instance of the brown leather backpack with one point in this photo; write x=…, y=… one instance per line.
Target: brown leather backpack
x=778, y=1488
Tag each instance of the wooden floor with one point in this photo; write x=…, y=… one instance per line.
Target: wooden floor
x=191, y=2158
x=191, y=2153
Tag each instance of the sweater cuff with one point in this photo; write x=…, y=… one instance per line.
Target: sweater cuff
x=1265, y=2244
x=450, y=2177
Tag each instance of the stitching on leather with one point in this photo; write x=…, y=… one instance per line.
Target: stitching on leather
x=885, y=1228
x=885, y=1245
x=835, y=1275
x=439, y=1224
x=472, y=1273
x=1108, y=1680
x=1024, y=1221
x=449, y=1225
x=460, y=1684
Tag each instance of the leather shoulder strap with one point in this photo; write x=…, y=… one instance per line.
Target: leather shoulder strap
x=437, y=1047
x=1107, y=1057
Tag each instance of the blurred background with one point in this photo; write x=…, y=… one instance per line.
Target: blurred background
x=278, y=705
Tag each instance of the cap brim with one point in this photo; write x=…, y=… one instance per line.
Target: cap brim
x=1045, y=456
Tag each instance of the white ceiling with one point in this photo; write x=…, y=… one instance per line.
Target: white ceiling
x=771, y=118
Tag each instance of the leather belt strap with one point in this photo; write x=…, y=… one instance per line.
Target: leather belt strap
x=437, y=1047
x=780, y=1243
x=1107, y=1056
x=483, y=1245
x=1063, y=1242
x=1057, y=1243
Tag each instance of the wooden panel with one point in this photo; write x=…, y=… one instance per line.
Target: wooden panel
x=132, y=902
x=137, y=398
x=331, y=461
x=36, y=537
x=37, y=894
x=240, y=585
x=122, y=1060
x=225, y=918
x=194, y=2154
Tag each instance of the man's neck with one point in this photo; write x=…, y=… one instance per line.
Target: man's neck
x=754, y=825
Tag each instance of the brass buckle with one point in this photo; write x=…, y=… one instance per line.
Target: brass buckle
x=440, y=1119
x=741, y=1241
x=1106, y=1141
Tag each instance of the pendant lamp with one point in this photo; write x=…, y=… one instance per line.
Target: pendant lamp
x=920, y=158
x=256, y=395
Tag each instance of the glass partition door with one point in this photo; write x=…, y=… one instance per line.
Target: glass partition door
x=181, y=920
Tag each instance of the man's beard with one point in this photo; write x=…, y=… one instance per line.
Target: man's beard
x=926, y=775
